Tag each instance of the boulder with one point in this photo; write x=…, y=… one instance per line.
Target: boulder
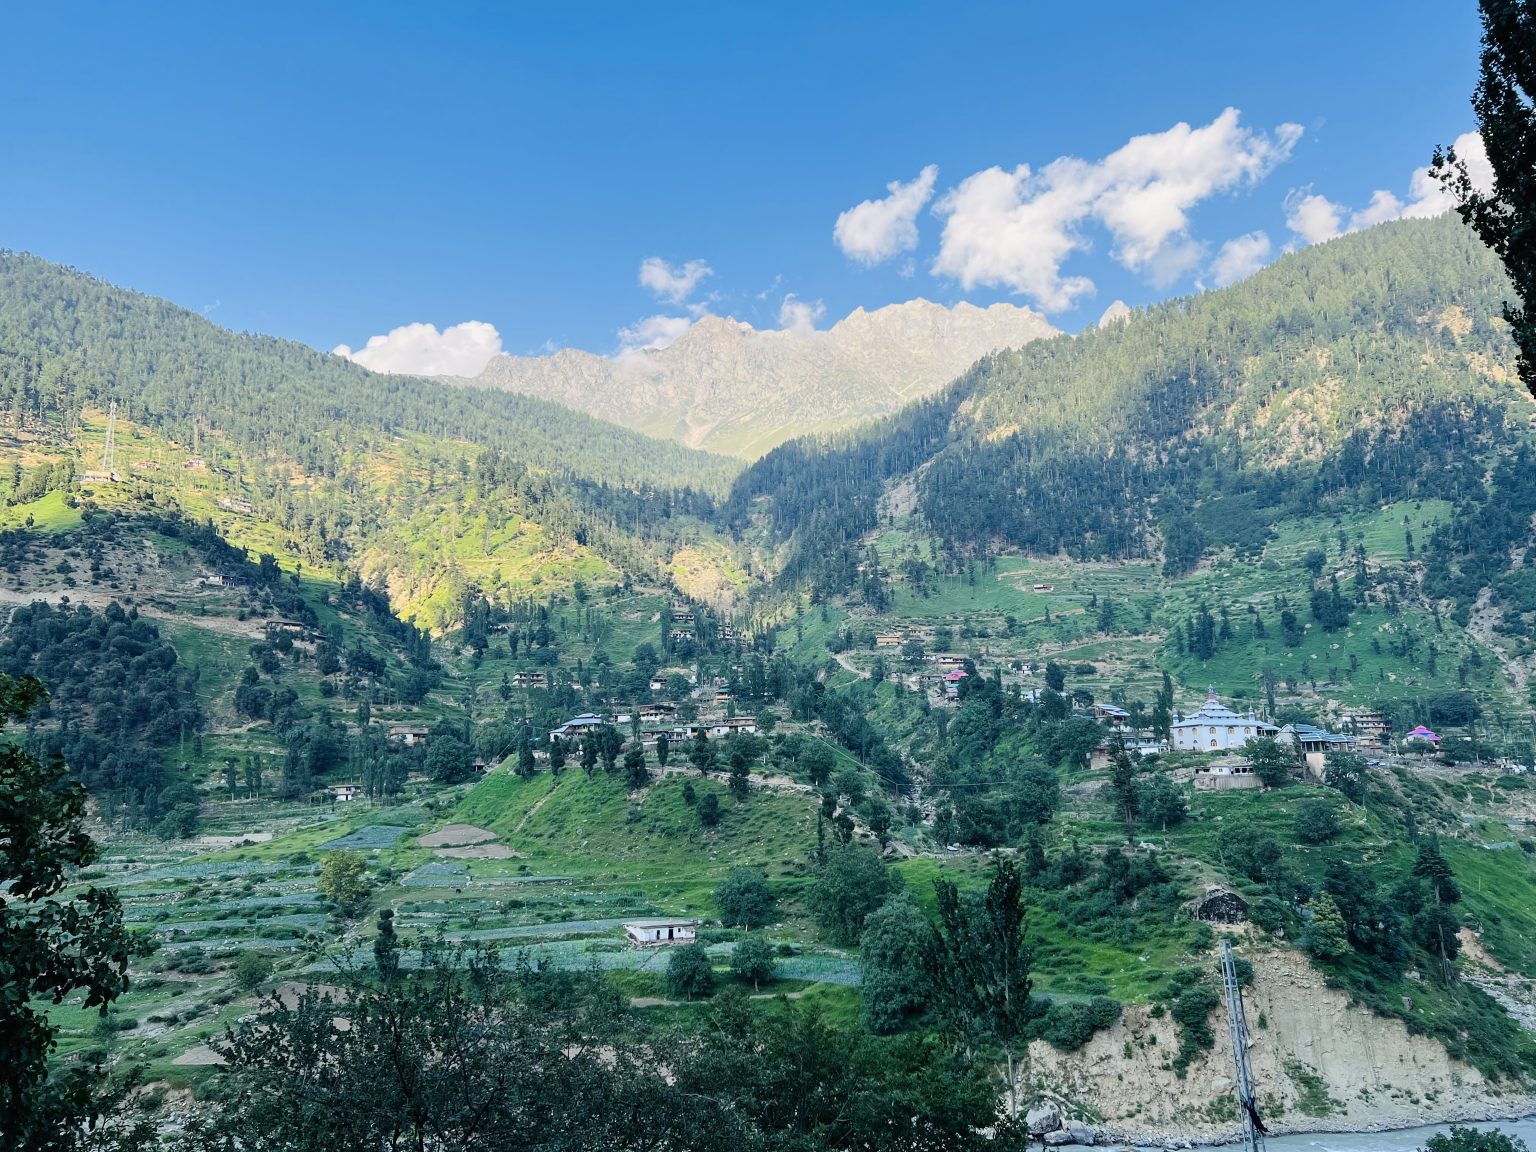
x=1080, y=1133
x=1043, y=1118
x=1057, y=1138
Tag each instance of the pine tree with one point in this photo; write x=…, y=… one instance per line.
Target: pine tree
x=1506, y=119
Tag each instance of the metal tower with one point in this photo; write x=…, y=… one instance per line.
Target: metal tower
x=109, y=456
x=1237, y=1030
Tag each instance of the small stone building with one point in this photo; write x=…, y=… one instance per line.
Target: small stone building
x=650, y=933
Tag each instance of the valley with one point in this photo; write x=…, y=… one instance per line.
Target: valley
x=345, y=699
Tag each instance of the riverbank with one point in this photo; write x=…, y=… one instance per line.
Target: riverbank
x=1320, y=1063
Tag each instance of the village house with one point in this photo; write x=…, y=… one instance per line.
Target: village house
x=1369, y=727
x=1422, y=736
x=661, y=713
x=722, y=697
x=407, y=735
x=731, y=724
x=888, y=640
x=948, y=659
x=530, y=680
x=1111, y=716
x=342, y=793
x=658, y=684
x=577, y=726
x=651, y=933
x=1045, y=588
x=1216, y=728
x=1314, y=744
x=952, y=682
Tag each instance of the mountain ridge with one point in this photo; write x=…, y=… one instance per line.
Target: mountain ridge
x=725, y=386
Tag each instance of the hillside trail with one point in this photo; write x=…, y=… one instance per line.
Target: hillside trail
x=537, y=804
x=843, y=659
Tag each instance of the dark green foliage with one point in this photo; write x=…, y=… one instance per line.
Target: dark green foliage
x=460, y=1052
x=1460, y=1139
x=744, y=899
x=120, y=696
x=1161, y=803
x=1068, y=1026
x=1191, y=1002
x=1316, y=822
x=689, y=972
x=1505, y=217
x=754, y=960
x=50, y=948
x=449, y=760
x=851, y=884
x=978, y=963
x=1272, y=762
x=895, y=983
x=1247, y=849
x=1346, y=773
x=251, y=970
x=709, y=809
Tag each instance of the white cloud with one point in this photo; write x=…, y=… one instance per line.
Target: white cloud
x=800, y=316
x=877, y=230
x=652, y=333
x=672, y=283
x=1016, y=229
x=1239, y=258
x=1313, y=217
x=421, y=350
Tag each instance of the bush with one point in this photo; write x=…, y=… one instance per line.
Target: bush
x=1070, y=1026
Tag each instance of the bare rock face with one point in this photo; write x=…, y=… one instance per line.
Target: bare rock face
x=1320, y=1063
x=726, y=387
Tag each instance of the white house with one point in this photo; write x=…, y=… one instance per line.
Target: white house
x=1216, y=728
x=648, y=933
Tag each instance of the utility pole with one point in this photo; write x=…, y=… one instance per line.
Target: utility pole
x=1237, y=1030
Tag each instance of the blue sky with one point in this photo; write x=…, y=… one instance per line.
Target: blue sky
x=332, y=172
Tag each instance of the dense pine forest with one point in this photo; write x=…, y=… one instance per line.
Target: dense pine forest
x=1371, y=369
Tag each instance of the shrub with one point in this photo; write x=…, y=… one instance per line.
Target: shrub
x=1070, y=1026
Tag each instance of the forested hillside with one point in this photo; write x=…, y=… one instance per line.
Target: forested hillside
x=1369, y=369
x=353, y=469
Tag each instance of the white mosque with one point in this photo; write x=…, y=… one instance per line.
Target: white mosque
x=1216, y=728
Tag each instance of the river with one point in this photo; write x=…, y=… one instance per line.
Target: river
x=1402, y=1140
